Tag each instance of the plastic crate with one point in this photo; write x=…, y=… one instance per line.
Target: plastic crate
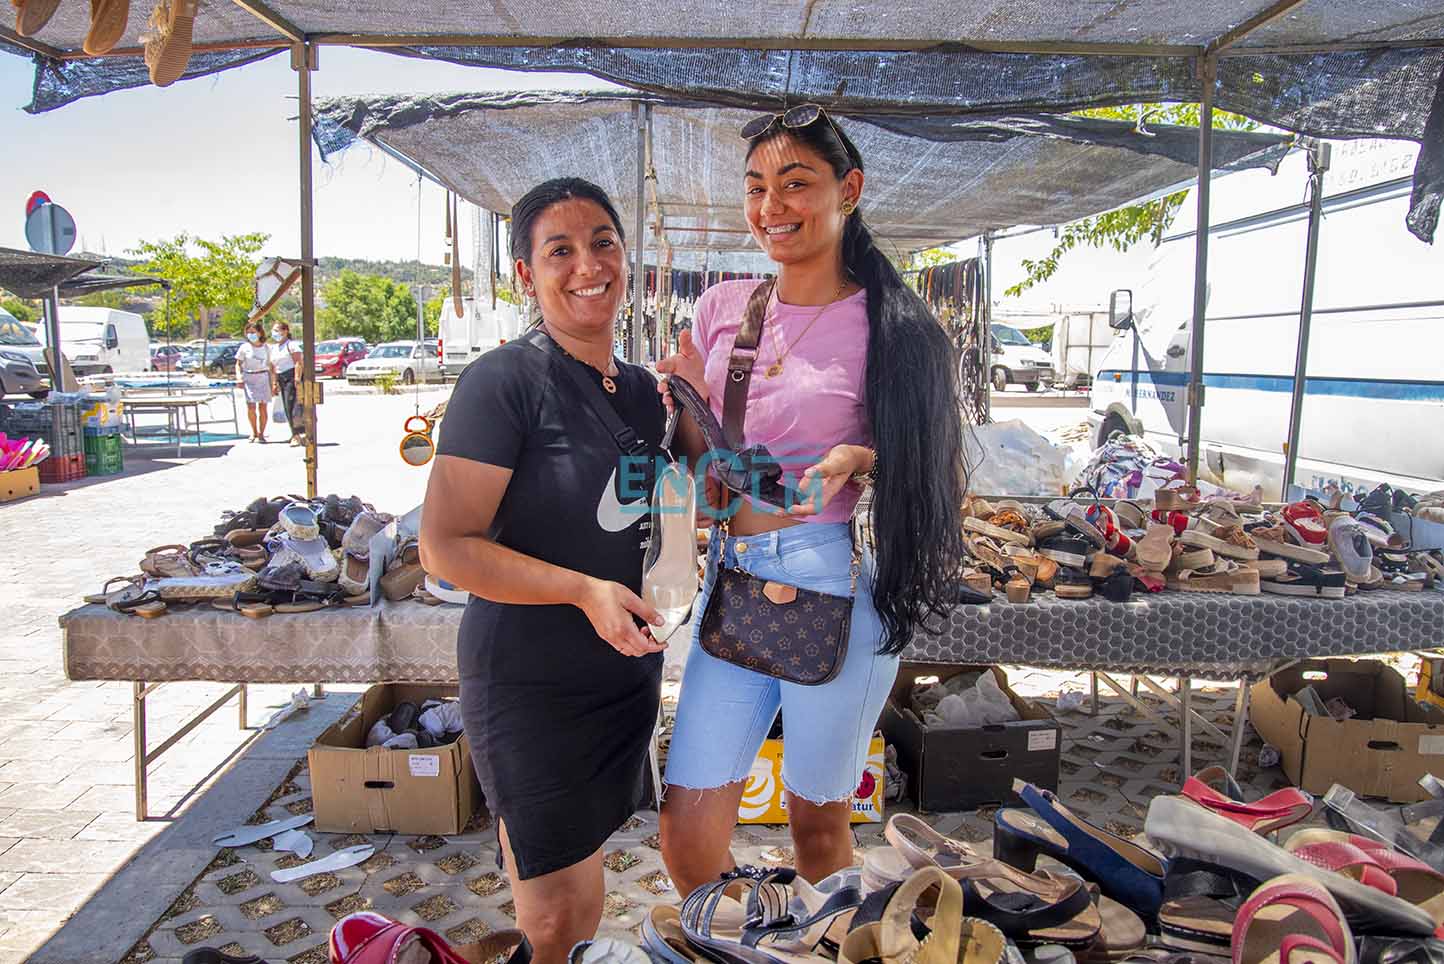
x=63, y=468
x=58, y=425
x=103, y=455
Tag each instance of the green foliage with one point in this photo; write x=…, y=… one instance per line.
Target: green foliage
x=115, y=298
x=1125, y=227
x=402, y=272
x=930, y=258
x=22, y=310
x=206, y=276
x=1039, y=335
x=387, y=382
x=366, y=306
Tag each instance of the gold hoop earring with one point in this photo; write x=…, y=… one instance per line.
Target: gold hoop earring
x=847, y=208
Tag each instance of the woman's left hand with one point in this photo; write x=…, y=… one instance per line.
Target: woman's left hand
x=820, y=483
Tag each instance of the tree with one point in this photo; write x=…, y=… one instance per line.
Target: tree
x=366, y=306
x=206, y=277
x=433, y=308
x=1125, y=227
x=22, y=310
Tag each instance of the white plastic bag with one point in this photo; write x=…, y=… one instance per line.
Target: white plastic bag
x=278, y=410
x=1009, y=458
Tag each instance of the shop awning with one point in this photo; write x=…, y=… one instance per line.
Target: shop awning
x=32, y=275
x=930, y=181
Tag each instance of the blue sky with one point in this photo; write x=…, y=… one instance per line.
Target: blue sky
x=219, y=155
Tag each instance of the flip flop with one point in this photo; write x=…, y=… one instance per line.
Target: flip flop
x=1292, y=920
x=340, y=860
x=242, y=836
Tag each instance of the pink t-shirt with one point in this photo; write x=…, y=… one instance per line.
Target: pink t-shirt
x=817, y=401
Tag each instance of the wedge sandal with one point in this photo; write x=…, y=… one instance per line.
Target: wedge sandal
x=1214, y=788
x=1413, y=880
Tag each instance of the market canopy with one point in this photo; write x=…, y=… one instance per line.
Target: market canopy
x=1328, y=68
x=930, y=181
x=32, y=275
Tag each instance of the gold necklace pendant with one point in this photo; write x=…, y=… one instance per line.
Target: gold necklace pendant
x=609, y=385
x=774, y=369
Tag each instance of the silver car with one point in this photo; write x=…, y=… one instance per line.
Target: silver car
x=21, y=359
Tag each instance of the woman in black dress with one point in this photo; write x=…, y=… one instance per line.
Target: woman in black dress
x=559, y=685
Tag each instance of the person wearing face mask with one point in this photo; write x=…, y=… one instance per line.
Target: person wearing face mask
x=535, y=507
x=256, y=374
x=286, y=357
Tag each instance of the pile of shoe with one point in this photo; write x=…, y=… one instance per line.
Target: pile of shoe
x=408, y=726
x=1186, y=542
x=279, y=555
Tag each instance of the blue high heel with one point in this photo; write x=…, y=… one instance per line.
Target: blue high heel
x=1125, y=872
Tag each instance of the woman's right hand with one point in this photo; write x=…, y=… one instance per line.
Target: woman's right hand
x=610, y=607
x=689, y=363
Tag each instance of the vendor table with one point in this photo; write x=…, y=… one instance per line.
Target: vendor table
x=1187, y=635
x=174, y=409
x=155, y=396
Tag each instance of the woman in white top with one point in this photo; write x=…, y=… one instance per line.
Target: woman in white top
x=286, y=358
x=256, y=373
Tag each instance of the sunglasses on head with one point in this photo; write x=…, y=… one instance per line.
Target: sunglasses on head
x=802, y=115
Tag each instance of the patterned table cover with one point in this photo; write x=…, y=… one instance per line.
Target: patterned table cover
x=1202, y=635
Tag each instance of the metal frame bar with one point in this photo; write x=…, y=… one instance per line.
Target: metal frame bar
x=1183, y=702
x=144, y=757
x=1208, y=75
x=32, y=45
x=272, y=19
x=642, y=113
x=1261, y=19
x=303, y=61
x=1318, y=165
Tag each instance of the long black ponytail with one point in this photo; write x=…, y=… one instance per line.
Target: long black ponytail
x=911, y=400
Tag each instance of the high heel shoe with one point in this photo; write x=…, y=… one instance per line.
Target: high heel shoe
x=669, y=569
x=1126, y=872
x=752, y=471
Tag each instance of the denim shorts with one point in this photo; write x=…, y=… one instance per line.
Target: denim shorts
x=724, y=711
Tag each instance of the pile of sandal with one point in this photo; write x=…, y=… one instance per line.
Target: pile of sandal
x=279, y=555
x=409, y=727
x=1185, y=542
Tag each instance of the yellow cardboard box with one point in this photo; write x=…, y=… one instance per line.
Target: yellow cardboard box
x=764, y=802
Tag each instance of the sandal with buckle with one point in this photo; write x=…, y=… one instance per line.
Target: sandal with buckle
x=752, y=471
x=888, y=927
x=1215, y=789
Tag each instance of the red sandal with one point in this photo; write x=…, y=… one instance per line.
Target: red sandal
x=1292, y=920
x=1216, y=789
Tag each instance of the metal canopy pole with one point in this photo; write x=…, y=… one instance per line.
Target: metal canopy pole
x=1318, y=164
x=1208, y=74
x=303, y=61
x=639, y=279
x=985, y=329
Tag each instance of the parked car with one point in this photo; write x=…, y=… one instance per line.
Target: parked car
x=413, y=361
x=102, y=340
x=22, y=359
x=220, y=358
x=165, y=358
x=333, y=357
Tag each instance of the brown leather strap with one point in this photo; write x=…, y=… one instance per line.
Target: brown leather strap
x=739, y=366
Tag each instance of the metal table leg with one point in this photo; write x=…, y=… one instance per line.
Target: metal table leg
x=137, y=712
x=1240, y=722
x=1093, y=685
x=1185, y=690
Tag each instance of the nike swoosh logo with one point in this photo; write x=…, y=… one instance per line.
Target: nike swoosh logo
x=612, y=515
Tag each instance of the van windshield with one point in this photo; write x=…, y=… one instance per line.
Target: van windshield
x=1009, y=336
x=14, y=333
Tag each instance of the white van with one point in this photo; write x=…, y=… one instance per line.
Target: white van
x=479, y=329
x=1080, y=338
x=101, y=340
x=1017, y=361
x=1374, y=399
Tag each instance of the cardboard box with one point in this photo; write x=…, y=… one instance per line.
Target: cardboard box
x=1381, y=752
x=359, y=790
x=763, y=800
x=961, y=768
x=19, y=483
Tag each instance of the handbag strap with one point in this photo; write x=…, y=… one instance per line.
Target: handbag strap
x=627, y=440
x=739, y=365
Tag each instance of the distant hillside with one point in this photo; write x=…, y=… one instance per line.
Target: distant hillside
x=403, y=272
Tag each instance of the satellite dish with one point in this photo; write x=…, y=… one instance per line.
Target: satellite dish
x=50, y=230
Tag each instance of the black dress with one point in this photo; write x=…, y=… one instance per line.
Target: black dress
x=559, y=722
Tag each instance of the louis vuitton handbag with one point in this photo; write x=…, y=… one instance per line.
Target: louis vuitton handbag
x=793, y=634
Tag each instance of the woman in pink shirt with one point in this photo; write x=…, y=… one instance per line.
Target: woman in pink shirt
x=853, y=377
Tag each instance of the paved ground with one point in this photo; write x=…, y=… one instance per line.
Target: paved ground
x=68, y=886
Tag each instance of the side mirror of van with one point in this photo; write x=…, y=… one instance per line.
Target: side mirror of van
x=1120, y=309
x=112, y=340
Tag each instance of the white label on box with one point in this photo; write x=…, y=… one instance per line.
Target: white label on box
x=1042, y=740
x=1431, y=745
x=424, y=765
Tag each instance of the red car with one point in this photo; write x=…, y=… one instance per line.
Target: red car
x=332, y=357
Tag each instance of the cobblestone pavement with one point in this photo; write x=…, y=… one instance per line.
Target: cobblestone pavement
x=67, y=825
